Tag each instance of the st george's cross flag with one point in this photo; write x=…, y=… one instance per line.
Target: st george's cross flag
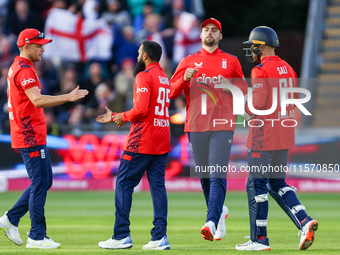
x=77, y=39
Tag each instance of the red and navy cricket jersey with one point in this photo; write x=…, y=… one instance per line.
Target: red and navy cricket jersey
x=220, y=103
x=27, y=122
x=150, y=128
x=273, y=72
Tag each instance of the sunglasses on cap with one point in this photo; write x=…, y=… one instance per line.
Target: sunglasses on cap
x=39, y=36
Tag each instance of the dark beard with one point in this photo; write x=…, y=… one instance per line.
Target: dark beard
x=211, y=43
x=256, y=58
x=140, y=66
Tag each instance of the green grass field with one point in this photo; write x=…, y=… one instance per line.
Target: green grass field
x=79, y=220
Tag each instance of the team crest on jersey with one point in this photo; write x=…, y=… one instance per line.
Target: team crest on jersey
x=224, y=63
x=200, y=65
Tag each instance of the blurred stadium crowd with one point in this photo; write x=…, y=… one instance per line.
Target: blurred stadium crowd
x=174, y=24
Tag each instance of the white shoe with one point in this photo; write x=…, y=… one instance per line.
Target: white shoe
x=260, y=245
x=162, y=244
x=307, y=234
x=10, y=230
x=46, y=243
x=221, y=228
x=208, y=231
x=111, y=244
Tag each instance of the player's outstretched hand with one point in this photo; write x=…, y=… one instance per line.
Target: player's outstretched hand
x=118, y=119
x=224, y=81
x=77, y=94
x=105, y=118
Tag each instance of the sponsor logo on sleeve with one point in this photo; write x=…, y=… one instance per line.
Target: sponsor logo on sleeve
x=28, y=81
x=257, y=85
x=141, y=90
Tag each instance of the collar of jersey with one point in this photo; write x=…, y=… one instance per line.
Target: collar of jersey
x=151, y=65
x=208, y=53
x=25, y=59
x=266, y=58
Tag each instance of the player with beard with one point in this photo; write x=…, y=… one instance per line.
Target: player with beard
x=140, y=66
x=145, y=150
x=210, y=143
x=269, y=145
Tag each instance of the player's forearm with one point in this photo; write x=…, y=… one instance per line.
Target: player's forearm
x=243, y=86
x=258, y=102
x=177, y=87
x=177, y=82
x=134, y=114
x=44, y=101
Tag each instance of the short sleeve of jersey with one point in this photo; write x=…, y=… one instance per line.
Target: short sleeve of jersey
x=238, y=69
x=295, y=84
x=238, y=76
x=260, y=92
x=257, y=73
x=142, y=90
x=26, y=78
x=143, y=79
x=141, y=94
x=177, y=82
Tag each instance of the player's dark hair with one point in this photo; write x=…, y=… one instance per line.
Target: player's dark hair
x=152, y=49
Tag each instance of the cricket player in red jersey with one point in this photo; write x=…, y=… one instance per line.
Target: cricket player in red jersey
x=269, y=141
x=210, y=143
x=28, y=135
x=146, y=149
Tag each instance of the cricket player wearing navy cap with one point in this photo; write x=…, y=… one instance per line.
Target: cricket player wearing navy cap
x=268, y=144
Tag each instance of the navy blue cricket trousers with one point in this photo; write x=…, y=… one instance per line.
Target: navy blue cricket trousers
x=38, y=166
x=275, y=178
x=131, y=170
x=212, y=148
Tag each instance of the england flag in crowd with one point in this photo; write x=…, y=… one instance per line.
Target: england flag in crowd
x=187, y=37
x=75, y=38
